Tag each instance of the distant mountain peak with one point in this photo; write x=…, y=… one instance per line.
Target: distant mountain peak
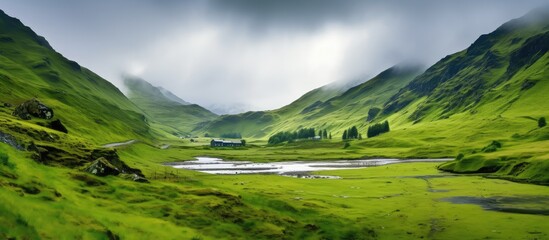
x=140, y=87
x=172, y=96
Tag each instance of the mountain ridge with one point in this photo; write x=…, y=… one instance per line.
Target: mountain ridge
x=165, y=108
x=31, y=68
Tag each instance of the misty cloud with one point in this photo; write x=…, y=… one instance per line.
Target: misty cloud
x=246, y=54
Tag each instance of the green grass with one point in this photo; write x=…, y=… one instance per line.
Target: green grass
x=396, y=201
x=388, y=202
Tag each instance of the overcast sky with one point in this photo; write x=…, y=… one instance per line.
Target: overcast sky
x=257, y=55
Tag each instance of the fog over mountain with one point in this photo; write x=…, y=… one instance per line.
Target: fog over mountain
x=254, y=55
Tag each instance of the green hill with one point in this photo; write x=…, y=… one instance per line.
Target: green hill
x=259, y=124
x=495, y=90
x=87, y=104
x=172, y=114
x=497, y=69
x=328, y=107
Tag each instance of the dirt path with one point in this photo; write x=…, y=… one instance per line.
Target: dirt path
x=119, y=144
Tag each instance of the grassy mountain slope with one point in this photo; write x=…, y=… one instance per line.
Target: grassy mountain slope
x=495, y=70
x=177, y=116
x=259, y=124
x=86, y=103
x=328, y=107
x=353, y=106
x=493, y=90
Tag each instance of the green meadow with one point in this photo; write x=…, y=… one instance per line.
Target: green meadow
x=409, y=200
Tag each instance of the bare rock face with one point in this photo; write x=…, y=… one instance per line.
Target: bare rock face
x=33, y=108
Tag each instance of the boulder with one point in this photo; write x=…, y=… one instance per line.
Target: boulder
x=102, y=167
x=114, y=159
x=57, y=125
x=33, y=108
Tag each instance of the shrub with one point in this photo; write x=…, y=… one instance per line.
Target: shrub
x=542, y=122
x=460, y=156
x=4, y=160
x=347, y=144
x=492, y=147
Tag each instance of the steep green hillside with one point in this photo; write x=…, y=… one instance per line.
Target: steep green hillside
x=328, y=107
x=496, y=70
x=493, y=90
x=172, y=113
x=85, y=103
x=259, y=124
x=356, y=106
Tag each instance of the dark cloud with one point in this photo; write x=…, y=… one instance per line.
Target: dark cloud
x=257, y=54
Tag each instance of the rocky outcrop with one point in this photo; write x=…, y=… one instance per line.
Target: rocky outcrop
x=10, y=140
x=33, y=108
x=57, y=125
x=107, y=162
x=102, y=167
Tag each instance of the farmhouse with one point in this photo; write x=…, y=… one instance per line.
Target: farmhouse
x=223, y=143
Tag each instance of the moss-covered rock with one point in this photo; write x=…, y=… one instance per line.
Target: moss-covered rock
x=33, y=108
x=57, y=125
x=102, y=167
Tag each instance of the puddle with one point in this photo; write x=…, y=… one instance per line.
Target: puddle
x=290, y=168
x=537, y=205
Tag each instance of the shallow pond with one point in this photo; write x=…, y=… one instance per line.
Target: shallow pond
x=294, y=168
x=538, y=205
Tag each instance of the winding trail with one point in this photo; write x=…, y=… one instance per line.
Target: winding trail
x=120, y=144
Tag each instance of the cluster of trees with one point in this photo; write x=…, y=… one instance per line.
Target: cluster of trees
x=324, y=134
x=304, y=133
x=378, y=128
x=351, y=133
x=281, y=137
x=231, y=135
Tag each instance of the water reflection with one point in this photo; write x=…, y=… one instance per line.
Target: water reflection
x=294, y=168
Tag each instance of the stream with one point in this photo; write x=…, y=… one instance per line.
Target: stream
x=293, y=168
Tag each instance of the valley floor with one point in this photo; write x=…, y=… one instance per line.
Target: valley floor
x=401, y=201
